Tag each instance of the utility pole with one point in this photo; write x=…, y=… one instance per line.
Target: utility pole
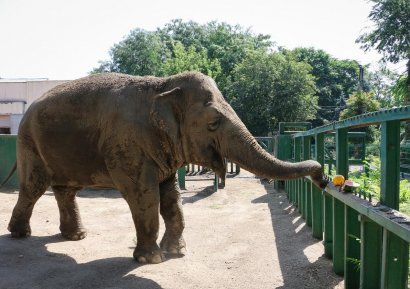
x=360, y=78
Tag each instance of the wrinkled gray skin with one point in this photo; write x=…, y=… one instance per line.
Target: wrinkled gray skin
x=132, y=134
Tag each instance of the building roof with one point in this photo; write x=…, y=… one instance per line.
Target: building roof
x=22, y=79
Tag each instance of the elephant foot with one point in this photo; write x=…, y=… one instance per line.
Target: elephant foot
x=174, y=246
x=19, y=229
x=154, y=256
x=74, y=235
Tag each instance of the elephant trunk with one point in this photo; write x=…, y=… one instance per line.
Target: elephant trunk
x=244, y=150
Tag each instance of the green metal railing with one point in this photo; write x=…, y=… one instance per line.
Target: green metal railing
x=267, y=143
x=357, y=151
x=8, y=159
x=195, y=170
x=191, y=169
x=368, y=243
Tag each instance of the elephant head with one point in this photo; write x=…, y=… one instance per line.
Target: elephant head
x=204, y=129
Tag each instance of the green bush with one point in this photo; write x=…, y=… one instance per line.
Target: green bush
x=370, y=180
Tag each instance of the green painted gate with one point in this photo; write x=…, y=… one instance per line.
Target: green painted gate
x=7, y=159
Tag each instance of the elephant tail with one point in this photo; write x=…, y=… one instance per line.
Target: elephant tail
x=13, y=169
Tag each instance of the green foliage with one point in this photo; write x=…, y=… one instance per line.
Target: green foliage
x=382, y=82
x=391, y=35
x=140, y=53
x=214, y=47
x=335, y=80
x=360, y=103
x=269, y=88
x=400, y=92
x=370, y=181
x=187, y=59
x=405, y=193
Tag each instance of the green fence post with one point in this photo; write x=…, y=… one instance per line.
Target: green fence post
x=308, y=203
x=390, y=164
x=216, y=182
x=289, y=190
x=342, y=153
x=305, y=193
x=291, y=199
x=181, y=177
x=317, y=203
x=370, y=251
x=298, y=147
x=395, y=262
x=342, y=168
x=328, y=225
x=352, y=249
x=281, y=146
x=327, y=220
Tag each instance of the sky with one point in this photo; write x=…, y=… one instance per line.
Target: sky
x=65, y=39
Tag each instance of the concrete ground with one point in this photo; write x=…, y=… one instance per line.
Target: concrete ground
x=244, y=236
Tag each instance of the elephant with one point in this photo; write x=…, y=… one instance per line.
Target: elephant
x=132, y=133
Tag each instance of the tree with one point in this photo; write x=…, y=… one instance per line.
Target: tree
x=143, y=52
x=140, y=53
x=223, y=42
x=187, y=59
x=391, y=34
x=383, y=82
x=231, y=45
x=360, y=103
x=268, y=88
x=399, y=91
x=335, y=80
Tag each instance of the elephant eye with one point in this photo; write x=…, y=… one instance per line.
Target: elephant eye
x=213, y=125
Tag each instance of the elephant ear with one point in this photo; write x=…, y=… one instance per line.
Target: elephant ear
x=166, y=113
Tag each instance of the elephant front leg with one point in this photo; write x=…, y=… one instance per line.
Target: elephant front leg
x=136, y=177
x=171, y=211
x=144, y=208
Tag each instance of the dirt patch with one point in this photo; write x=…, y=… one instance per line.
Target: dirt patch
x=244, y=236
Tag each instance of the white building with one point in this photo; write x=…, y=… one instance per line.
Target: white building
x=16, y=96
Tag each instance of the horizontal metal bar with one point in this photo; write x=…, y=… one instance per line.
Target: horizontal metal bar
x=12, y=100
x=284, y=125
x=351, y=161
x=400, y=113
x=350, y=134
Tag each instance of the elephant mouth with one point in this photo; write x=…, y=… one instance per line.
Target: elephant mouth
x=213, y=159
x=218, y=164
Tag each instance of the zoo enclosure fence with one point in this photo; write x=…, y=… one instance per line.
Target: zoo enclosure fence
x=367, y=241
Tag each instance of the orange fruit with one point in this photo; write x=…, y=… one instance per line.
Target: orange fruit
x=338, y=180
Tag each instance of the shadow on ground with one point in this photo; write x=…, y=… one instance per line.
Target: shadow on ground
x=288, y=225
x=199, y=195
x=26, y=263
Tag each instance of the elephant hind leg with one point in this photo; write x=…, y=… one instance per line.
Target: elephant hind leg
x=33, y=183
x=71, y=226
